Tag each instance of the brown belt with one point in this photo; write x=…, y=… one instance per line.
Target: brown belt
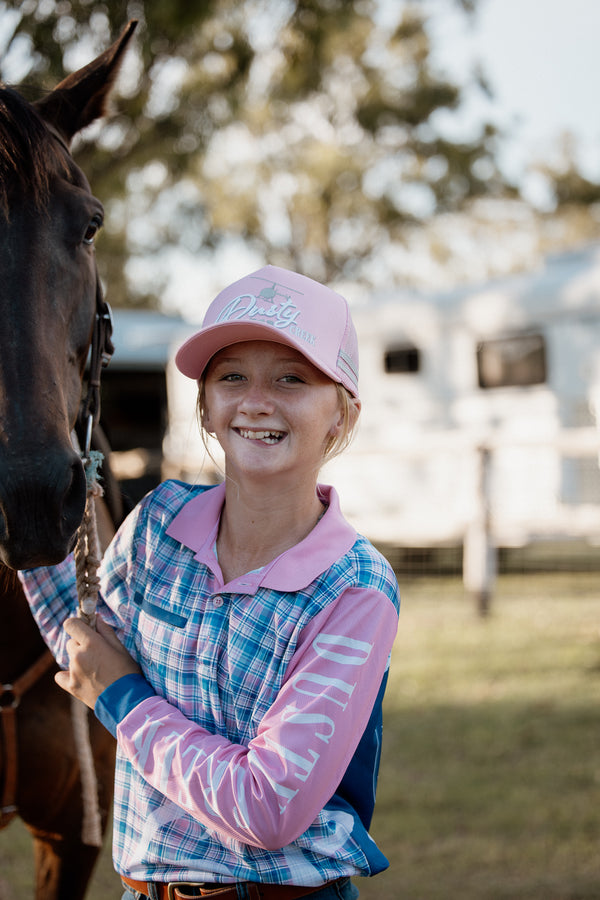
x=183, y=890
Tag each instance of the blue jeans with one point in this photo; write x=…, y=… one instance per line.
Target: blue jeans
x=343, y=890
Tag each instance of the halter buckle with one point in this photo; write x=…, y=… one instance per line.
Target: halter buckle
x=107, y=349
x=8, y=698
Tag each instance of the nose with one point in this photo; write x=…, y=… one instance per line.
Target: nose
x=257, y=399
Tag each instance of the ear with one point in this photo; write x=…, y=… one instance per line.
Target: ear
x=354, y=407
x=205, y=420
x=353, y=410
x=353, y=413
x=81, y=97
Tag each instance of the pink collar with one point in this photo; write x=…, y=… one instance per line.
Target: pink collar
x=196, y=525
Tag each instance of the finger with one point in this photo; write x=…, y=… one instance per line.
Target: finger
x=63, y=680
x=77, y=629
x=109, y=635
x=105, y=630
x=69, y=684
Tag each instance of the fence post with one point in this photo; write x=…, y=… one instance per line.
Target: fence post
x=479, y=552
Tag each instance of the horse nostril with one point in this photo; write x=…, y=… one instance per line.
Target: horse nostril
x=73, y=501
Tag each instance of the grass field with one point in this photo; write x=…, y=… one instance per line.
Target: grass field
x=490, y=780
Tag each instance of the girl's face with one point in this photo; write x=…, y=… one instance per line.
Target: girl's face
x=271, y=410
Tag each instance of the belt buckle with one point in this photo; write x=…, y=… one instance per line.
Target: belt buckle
x=172, y=886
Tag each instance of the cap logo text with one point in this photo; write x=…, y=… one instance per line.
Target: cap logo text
x=264, y=308
x=247, y=306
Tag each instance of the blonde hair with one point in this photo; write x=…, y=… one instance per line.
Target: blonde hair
x=335, y=443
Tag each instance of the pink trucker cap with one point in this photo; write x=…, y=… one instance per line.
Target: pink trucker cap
x=275, y=304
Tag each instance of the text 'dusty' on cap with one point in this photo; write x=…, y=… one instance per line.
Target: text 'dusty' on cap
x=275, y=304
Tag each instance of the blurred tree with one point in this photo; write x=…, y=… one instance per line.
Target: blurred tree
x=305, y=127
x=567, y=185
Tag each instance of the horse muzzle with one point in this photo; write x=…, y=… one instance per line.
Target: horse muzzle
x=41, y=507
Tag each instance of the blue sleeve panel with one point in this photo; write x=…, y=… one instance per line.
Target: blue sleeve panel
x=119, y=698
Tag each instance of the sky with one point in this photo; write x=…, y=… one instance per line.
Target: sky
x=542, y=60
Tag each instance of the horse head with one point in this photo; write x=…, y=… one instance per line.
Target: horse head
x=49, y=296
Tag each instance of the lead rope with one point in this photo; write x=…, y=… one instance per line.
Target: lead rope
x=87, y=561
x=87, y=549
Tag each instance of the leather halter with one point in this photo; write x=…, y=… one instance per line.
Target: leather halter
x=102, y=349
x=10, y=697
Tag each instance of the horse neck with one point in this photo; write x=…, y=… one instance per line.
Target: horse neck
x=20, y=641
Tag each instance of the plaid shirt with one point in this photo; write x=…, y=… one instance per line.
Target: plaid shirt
x=249, y=747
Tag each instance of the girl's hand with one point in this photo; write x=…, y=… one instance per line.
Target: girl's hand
x=96, y=660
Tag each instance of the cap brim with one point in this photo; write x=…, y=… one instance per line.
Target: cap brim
x=194, y=355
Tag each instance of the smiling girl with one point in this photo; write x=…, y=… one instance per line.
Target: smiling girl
x=245, y=629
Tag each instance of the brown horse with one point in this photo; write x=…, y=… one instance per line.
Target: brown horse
x=50, y=300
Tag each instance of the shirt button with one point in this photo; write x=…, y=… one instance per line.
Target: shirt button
x=217, y=601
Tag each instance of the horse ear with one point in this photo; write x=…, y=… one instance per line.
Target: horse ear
x=81, y=97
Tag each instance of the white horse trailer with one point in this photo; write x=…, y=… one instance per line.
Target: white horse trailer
x=480, y=412
x=136, y=411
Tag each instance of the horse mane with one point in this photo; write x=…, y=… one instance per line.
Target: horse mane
x=28, y=159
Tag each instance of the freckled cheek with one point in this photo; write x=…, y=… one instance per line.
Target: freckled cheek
x=217, y=409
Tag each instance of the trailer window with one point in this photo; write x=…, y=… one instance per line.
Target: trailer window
x=512, y=362
x=402, y=358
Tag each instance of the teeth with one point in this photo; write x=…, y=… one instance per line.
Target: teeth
x=269, y=437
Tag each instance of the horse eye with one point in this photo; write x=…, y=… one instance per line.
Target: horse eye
x=92, y=230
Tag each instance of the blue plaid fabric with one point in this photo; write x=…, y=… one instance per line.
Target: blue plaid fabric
x=220, y=655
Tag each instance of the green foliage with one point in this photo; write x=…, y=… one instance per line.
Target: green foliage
x=570, y=188
x=304, y=127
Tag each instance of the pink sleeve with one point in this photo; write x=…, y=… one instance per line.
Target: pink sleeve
x=267, y=793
